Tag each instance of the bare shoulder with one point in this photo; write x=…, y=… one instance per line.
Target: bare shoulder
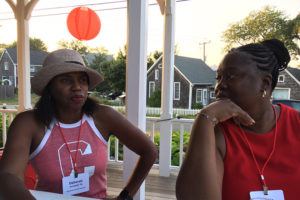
x=26, y=118
x=25, y=123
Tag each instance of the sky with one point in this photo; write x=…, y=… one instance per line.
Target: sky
x=196, y=21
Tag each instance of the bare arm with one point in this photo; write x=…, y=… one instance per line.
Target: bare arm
x=201, y=174
x=15, y=158
x=135, y=140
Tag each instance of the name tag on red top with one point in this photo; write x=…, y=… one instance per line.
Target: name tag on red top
x=75, y=185
x=272, y=195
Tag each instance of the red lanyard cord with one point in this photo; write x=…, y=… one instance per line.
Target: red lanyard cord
x=74, y=160
x=261, y=171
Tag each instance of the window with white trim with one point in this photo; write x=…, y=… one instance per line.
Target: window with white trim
x=5, y=65
x=156, y=74
x=5, y=80
x=212, y=95
x=281, y=79
x=176, y=91
x=32, y=69
x=199, y=95
x=151, y=88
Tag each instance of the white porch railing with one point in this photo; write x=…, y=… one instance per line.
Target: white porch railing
x=157, y=111
x=181, y=130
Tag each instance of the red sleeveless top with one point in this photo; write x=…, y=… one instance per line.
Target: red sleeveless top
x=52, y=160
x=283, y=170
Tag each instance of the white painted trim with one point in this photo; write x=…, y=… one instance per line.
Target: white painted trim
x=293, y=77
x=5, y=68
x=182, y=75
x=149, y=88
x=10, y=57
x=154, y=64
x=156, y=74
x=5, y=51
x=283, y=77
x=203, y=83
x=190, y=95
x=174, y=98
x=201, y=99
x=283, y=88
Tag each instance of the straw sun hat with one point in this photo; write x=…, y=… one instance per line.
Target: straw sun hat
x=60, y=62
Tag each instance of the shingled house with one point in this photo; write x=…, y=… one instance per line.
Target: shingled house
x=8, y=69
x=288, y=86
x=193, y=81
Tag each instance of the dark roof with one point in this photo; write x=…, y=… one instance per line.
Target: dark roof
x=195, y=70
x=36, y=57
x=295, y=72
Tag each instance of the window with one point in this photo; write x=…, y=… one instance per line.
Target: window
x=32, y=69
x=5, y=65
x=281, y=79
x=212, y=95
x=205, y=97
x=159, y=66
x=5, y=80
x=199, y=96
x=281, y=93
x=156, y=73
x=176, y=90
x=151, y=88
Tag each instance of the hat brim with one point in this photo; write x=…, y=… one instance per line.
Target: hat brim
x=46, y=74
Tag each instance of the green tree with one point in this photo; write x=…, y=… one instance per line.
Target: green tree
x=117, y=75
x=102, y=65
x=264, y=24
x=35, y=44
x=152, y=58
x=75, y=45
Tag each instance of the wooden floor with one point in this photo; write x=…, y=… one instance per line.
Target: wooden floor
x=157, y=188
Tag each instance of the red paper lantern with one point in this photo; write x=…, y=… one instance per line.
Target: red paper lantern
x=83, y=23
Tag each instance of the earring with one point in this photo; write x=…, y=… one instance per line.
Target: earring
x=264, y=94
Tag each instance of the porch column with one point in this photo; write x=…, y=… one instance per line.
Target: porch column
x=22, y=10
x=167, y=90
x=136, y=70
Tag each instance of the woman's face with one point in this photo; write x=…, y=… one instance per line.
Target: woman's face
x=239, y=80
x=70, y=90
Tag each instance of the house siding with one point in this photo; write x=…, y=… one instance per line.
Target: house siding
x=151, y=77
x=10, y=72
x=289, y=82
x=183, y=102
x=209, y=90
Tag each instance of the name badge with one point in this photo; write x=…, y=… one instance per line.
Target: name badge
x=76, y=185
x=272, y=195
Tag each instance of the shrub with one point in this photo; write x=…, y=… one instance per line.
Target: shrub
x=155, y=99
x=197, y=106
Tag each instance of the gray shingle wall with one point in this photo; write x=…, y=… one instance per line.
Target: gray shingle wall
x=289, y=82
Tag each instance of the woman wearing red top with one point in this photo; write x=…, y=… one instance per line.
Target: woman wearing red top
x=243, y=147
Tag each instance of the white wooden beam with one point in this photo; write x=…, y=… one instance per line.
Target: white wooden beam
x=136, y=73
x=22, y=10
x=167, y=90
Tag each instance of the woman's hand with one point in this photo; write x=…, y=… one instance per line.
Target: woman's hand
x=224, y=109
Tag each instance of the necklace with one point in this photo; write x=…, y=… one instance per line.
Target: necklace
x=74, y=160
x=261, y=170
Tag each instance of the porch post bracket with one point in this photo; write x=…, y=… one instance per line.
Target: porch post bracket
x=29, y=7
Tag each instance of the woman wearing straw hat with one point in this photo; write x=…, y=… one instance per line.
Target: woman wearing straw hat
x=65, y=136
